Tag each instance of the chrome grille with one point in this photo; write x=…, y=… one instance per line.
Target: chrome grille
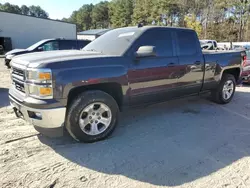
x=18, y=77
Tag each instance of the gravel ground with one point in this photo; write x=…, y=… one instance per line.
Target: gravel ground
x=185, y=143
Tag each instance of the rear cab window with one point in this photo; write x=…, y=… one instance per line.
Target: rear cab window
x=186, y=42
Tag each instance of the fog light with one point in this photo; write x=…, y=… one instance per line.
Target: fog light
x=38, y=115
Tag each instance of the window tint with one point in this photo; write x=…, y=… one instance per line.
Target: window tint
x=186, y=41
x=53, y=45
x=160, y=38
x=68, y=44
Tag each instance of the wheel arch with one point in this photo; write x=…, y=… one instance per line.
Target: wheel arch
x=233, y=71
x=113, y=89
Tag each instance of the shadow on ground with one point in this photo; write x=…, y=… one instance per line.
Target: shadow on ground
x=167, y=144
x=4, y=99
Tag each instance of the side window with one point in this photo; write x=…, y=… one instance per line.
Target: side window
x=49, y=46
x=67, y=45
x=186, y=42
x=160, y=38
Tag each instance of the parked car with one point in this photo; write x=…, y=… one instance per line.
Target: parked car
x=46, y=45
x=245, y=75
x=1, y=50
x=83, y=91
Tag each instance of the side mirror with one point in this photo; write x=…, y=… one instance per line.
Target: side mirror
x=146, y=51
x=40, y=49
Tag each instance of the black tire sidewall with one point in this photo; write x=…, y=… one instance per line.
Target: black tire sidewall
x=87, y=98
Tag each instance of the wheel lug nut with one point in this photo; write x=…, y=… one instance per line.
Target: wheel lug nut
x=99, y=117
x=90, y=117
x=91, y=121
x=93, y=113
x=96, y=121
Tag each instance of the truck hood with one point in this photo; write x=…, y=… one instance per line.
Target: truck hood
x=35, y=59
x=16, y=51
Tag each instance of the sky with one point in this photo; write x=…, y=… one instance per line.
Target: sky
x=57, y=9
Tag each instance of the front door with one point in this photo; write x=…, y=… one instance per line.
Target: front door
x=151, y=79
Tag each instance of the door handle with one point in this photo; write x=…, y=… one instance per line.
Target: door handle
x=171, y=64
x=197, y=63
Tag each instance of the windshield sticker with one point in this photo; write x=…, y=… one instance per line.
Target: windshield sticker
x=126, y=34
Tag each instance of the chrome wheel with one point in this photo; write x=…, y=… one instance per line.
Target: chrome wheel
x=228, y=90
x=95, y=118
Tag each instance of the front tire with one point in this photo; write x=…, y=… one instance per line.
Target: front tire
x=92, y=116
x=225, y=91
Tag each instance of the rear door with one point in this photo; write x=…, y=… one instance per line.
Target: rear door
x=151, y=79
x=191, y=63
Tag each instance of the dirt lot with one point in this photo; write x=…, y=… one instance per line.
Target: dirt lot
x=185, y=143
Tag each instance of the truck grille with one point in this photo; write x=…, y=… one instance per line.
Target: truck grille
x=18, y=78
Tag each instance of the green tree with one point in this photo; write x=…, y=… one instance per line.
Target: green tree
x=83, y=17
x=192, y=23
x=37, y=11
x=25, y=10
x=100, y=15
x=10, y=8
x=120, y=12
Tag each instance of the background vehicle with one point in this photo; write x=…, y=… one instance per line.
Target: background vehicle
x=46, y=45
x=1, y=50
x=245, y=75
x=209, y=44
x=126, y=67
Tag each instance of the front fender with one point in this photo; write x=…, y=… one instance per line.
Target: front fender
x=66, y=80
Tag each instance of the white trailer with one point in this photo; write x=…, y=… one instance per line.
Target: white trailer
x=27, y=30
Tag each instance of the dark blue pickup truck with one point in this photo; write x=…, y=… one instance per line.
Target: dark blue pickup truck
x=83, y=91
x=47, y=45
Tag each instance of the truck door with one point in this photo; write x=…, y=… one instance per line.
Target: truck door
x=191, y=63
x=151, y=78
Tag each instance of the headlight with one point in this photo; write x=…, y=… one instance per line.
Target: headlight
x=39, y=83
x=39, y=75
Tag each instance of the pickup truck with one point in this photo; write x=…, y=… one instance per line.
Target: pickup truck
x=84, y=90
x=47, y=45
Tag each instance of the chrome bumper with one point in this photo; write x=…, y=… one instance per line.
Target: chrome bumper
x=43, y=118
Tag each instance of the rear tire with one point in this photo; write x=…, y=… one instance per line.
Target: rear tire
x=83, y=126
x=225, y=91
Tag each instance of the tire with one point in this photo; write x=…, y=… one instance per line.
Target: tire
x=83, y=104
x=218, y=94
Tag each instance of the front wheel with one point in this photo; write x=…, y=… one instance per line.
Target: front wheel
x=225, y=91
x=92, y=116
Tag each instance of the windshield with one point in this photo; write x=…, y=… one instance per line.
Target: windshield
x=34, y=46
x=114, y=42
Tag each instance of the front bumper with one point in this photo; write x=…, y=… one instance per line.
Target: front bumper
x=7, y=62
x=49, y=122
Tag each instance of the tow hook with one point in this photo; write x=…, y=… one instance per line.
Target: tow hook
x=18, y=113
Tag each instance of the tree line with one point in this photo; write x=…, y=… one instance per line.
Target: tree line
x=222, y=20
x=36, y=11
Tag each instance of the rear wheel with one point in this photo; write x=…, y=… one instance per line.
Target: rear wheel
x=225, y=91
x=92, y=116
